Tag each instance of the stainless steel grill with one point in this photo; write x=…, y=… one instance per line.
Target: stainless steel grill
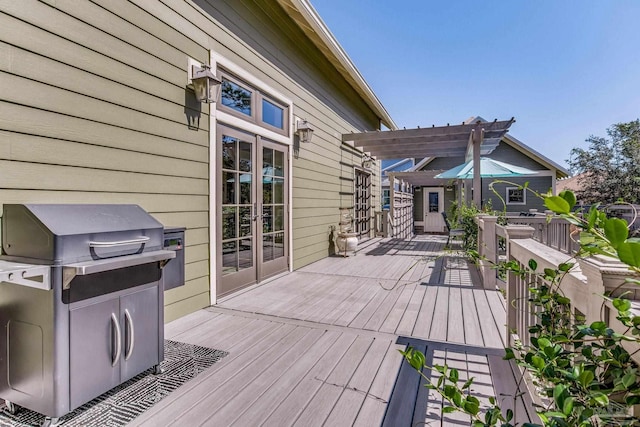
x=81, y=305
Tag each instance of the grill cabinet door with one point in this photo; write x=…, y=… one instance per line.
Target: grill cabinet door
x=139, y=313
x=93, y=335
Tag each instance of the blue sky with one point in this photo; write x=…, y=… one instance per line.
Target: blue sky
x=564, y=69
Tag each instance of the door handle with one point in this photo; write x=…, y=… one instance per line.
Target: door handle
x=140, y=240
x=116, y=328
x=131, y=334
x=256, y=215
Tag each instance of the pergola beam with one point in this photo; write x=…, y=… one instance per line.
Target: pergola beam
x=427, y=132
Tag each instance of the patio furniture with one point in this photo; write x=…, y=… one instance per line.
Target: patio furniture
x=453, y=232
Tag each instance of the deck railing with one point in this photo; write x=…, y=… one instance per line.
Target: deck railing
x=584, y=285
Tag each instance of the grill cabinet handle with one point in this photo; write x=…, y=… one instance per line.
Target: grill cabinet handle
x=130, y=334
x=116, y=327
x=143, y=239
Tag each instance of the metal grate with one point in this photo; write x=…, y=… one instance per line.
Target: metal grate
x=122, y=404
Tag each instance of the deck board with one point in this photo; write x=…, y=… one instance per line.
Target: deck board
x=319, y=346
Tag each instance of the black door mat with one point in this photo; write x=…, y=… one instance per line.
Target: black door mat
x=122, y=404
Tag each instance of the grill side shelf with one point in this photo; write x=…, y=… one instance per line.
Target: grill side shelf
x=69, y=271
x=33, y=276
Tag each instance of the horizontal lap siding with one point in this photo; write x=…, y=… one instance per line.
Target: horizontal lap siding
x=92, y=110
x=323, y=169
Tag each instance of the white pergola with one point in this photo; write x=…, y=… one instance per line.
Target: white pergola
x=468, y=140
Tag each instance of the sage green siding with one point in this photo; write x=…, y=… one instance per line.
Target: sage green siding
x=93, y=109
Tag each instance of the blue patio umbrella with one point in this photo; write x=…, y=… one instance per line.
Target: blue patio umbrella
x=489, y=168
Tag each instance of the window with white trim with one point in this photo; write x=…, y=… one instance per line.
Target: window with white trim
x=244, y=101
x=516, y=196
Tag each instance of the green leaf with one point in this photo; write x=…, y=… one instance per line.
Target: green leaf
x=615, y=229
x=509, y=415
x=629, y=379
x=533, y=265
x=449, y=391
x=569, y=197
x=632, y=399
x=467, y=383
x=417, y=360
x=449, y=409
x=629, y=253
x=557, y=204
x=471, y=406
x=567, y=406
x=565, y=266
x=453, y=375
x=553, y=414
x=593, y=216
x=600, y=398
x=509, y=354
x=538, y=362
x=544, y=342
x=598, y=326
x=586, y=378
x=622, y=304
x=550, y=273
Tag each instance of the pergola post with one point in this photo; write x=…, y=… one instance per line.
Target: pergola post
x=477, y=183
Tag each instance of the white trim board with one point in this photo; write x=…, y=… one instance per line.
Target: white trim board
x=216, y=59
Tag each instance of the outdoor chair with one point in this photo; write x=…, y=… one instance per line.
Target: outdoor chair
x=453, y=232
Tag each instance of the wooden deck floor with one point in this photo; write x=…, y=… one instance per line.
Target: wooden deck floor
x=319, y=346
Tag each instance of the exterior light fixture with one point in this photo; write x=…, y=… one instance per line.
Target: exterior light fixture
x=205, y=84
x=304, y=131
x=367, y=161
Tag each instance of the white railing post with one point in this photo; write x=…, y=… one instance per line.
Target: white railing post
x=515, y=290
x=488, y=250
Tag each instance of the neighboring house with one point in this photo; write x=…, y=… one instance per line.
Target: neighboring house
x=504, y=196
x=94, y=109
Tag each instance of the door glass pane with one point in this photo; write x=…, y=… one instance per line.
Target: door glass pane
x=267, y=161
x=229, y=222
x=229, y=258
x=228, y=187
x=245, y=189
x=278, y=245
x=434, y=205
x=267, y=191
x=245, y=221
x=245, y=254
x=278, y=164
x=229, y=152
x=272, y=114
x=267, y=247
x=245, y=157
x=278, y=218
x=235, y=97
x=278, y=190
x=267, y=219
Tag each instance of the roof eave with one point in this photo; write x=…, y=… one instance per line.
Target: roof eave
x=317, y=31
x=560, y=171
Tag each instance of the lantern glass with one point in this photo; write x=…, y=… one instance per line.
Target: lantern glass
x=205, y=84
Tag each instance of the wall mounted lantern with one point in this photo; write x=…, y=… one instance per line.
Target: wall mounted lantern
x=304, y=131
x=367, y=161
x=205, y=84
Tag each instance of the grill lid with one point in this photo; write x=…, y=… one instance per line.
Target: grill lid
x=71, y=233
x=64, y=220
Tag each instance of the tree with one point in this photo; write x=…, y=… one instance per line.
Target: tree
x=610, y=166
